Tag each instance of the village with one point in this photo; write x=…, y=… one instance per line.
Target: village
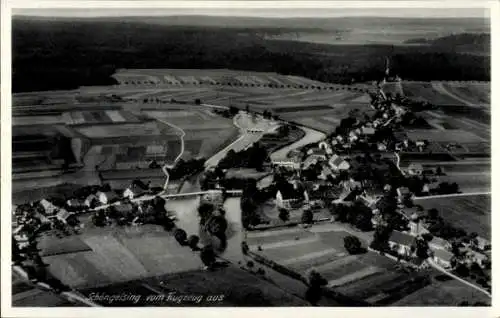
x=354, y=178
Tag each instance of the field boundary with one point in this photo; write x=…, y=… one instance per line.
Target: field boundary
x=343, y=299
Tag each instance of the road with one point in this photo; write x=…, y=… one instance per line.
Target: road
x=438, y=86
x=451, y=195
x=442, y=270
x=170, y=166
x=164, y=195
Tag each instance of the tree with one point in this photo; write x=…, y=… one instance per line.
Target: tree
x=439, y=171
x=381, y=238
x=307, y=217
x=432, y=214
x=217, y=226
x=422, y=251
x=427, y=237
x=207, y=256
x=462, y=270
x=192, y=241
x=352, y=244
x=205, y=211
x=284, y=215
x=316, y=282
x=180, y=236
x=244, y=248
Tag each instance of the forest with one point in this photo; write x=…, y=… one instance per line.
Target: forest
x=62, y=54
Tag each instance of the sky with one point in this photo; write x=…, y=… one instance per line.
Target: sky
x=267, y=13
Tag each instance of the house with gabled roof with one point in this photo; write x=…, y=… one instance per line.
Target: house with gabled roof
x=325, y=173
x=76, y=203
x=107, y=197
x=48, y=207
x=442, y=257
x=91, y=200
x=291, y=196
x=63, y=215
x=337, y=163
x=368, y=131
x=134, y=191
x=401, y=242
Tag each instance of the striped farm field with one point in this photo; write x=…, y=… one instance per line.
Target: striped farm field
x=122, y=255
x=472, y=213
x=369, y=276
x=432, y=93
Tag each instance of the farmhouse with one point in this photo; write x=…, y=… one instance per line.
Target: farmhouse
x=291, y=197
x=318, y=193
x=401, y=243
x=481, y=243
x=368, y=131
x=325, y=173
x=91, y=201
x=442, y=257
x=317, y=152
x=48, y=207
x=107, y=197
x=135, y=190
x=403, y=192
x=63, y=215
x=381, y=146
x=338, y=163
x=75, y=203
x=439, y=243
x=309, y=161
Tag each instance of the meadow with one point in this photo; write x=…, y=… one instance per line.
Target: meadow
x=472, y=213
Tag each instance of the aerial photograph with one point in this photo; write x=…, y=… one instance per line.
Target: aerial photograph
x=335, y=157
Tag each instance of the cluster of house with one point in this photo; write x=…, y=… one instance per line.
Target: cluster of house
x=477, y=250
x=26, y=219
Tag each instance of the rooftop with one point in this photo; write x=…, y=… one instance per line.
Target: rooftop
x=443, y=254
x=401, y=238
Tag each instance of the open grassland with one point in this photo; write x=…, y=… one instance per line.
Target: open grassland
x=472, y=213
x=471, y=93
x=368, y=276
x=449, y=293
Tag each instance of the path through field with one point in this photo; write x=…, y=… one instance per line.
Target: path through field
x=170, y=166
x=438, y=86
x=439, y=268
